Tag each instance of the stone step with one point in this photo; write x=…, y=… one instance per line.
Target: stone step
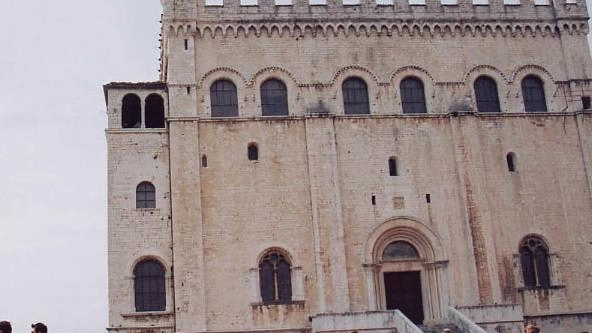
x=439, y=328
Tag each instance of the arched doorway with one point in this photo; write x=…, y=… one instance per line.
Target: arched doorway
x=406, y=270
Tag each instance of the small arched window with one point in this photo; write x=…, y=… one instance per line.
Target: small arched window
x=154, y=111
x=534, y=258
x=511, y=161
x=533, y=94
x=149, y=286
x=413, y=96
x=131, y=111
x=275, y=278
x=145, y=195
x=253, y=152
x=274, y=98
x=400, y=250
x=392, y=162
x=224, y=100
x=355, y=96
x=486, y=94
x=204, y=161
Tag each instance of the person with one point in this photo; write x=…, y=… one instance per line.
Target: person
x=5, y=327
x=532, y=329
x=39, y=328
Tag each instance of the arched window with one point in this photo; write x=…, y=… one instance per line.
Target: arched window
x=154, y=111
x=400, y=250
x=274, y=98
x=204, y=161
x=511, y=161
x=253, y=152
x=131, y=111
x=149, y=286
x=275, y=278
x=355, y=96
x=413, y=96
x=224, y=99
x=534, y=257
x=533, y=94
x=392, y=162
x=145, y=195
x=486, y=94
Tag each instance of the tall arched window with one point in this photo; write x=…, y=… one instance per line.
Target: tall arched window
x=355, y=96
x=486, y=94
x=224, y=99
x=131, y=111
x=145, y=195
x=275, y=278
x=274, y=98
x=149, y=286
x=533, y=94
x=534, y=257
x=392, y=162
x=253, y=152
x=413, y=96
x=154, y=111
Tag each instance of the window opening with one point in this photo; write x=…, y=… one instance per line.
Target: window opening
x=511, y=161
x=145, y=195
x=534, y=257
x=253, y=152
x=486, y=94
x=533, y=94
x=186, y=44
x=373, y=200
x=355, y=96
x=392, y=162
x=131, y=111
x=274, y=98
x=586, y=102
x=428, y=198
x=224, y=99
x=154, y=111
x=413, y=96
x=204, y=161
x=149, y=286
x=275, y=279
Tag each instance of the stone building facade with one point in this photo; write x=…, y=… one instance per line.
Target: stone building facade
x=313, y=165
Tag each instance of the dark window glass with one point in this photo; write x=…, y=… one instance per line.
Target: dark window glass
x=131, y=111
x=399, y=251
x=204, y=161
x=149, y=286
x=274, y=98
x=224, y=99
x=511, y=160
x=534, y=257
x=533, y=94
x=154, y=111
x=486, y=95
x=393, y=167
x=355, y=96
x=275, y=279
x=253, y=152
x=413, y=96
x=586, y=102
x=145, y=196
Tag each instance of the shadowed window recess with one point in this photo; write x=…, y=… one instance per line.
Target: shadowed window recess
x=534, y=258
x=355, y=96
x=131, y=111
x=154, y=111
x=413, y=96
x=275, y=278
x=149, y=286
x=224, y=100
x=253, y=152
x=145, y=195
x=486, y=94
x=511, y=162
x=392, y=163
x=400, y=250
x=533, y=94
x=274, y=98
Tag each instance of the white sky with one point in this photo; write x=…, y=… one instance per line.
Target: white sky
x=56, y=55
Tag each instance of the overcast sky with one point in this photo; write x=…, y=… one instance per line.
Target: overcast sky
x=55, y=57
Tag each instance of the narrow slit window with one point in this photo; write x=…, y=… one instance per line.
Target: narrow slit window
x=253, y=152
x=392, y=162
x=511, y=161
x=204, y=161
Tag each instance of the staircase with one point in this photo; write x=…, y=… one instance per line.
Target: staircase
x=439, y=327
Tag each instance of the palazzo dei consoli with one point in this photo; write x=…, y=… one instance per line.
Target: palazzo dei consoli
x=367, y=166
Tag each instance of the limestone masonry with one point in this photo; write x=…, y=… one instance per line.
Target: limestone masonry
x=346, y=166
